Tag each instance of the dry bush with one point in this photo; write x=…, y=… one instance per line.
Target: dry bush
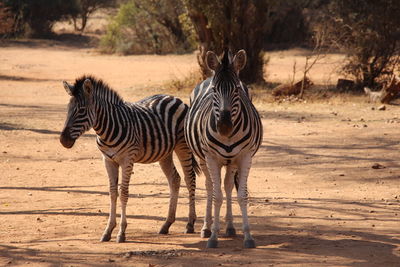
x=292, y=89
x=368, y=33
x=185, y=84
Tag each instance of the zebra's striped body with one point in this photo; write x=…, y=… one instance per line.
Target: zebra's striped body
x=143, y=132
x=223, y=128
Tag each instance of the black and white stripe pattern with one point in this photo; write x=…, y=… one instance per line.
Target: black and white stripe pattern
x=223, y=128
x=143, y=132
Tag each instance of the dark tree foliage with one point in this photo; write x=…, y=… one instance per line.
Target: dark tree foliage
x=168, y=14
x=237, y=24
x=288, y=24
x=368, y=31
x=36, y=17
x=86, y=8
x=6, y=21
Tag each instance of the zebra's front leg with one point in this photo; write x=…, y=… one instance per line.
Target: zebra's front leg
x=174, y=181
x=231, y=172
x=215, y=172
x=112, y=171
x=244, y=170
x=124, y=195
x=206, y=229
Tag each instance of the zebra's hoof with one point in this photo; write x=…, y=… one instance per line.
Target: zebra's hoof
x=189, y=229
x=121, y=238
x=105, y=238
x=205, y=233
x=163, y=231
x=230, y=232
x=165, y=228
x=250, y=243
x=212, y=243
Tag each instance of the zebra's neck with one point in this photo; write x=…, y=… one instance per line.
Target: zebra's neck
x=110, y=113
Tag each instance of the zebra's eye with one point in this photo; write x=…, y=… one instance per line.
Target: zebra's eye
x=81, y=109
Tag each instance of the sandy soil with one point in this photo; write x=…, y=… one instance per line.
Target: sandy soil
x=315, y=198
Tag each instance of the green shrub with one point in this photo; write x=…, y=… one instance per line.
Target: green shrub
x=142, y=27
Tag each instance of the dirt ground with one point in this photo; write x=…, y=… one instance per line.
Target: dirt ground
x=315, y=198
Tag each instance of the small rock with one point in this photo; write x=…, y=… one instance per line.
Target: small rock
x=29, y=194
x=372, y=108
x=128, y=254
x=377, y=166
x=111, y=260
x=382, y=107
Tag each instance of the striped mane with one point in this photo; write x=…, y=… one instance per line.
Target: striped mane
x=101, y=90
x=225, y=73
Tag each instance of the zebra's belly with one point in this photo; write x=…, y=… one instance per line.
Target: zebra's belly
x=137, y=154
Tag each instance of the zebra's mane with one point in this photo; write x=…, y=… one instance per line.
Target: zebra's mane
x=100, y=89
x=225, y=72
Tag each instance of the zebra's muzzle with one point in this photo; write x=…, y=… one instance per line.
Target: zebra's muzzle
x=224, y=124
x=66, y=140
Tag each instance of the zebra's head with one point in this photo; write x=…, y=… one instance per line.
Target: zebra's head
x=80, y=114
x=225, y=87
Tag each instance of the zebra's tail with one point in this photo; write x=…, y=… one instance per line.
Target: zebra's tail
x=195, y=165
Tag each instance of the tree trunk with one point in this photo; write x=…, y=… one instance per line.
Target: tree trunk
x=236, y=24
x=391, y=92
x=206, y=40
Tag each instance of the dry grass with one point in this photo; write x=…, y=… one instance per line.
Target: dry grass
x=184, y=85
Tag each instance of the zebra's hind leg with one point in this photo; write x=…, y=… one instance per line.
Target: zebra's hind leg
x=112, y=171
x=206, y=230
x=189, y=166
x=244, y=169
x=228, y=185
x=174, y=181
x=124, y=195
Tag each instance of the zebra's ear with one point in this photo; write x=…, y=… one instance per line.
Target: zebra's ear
x=87, y=87
x=68, y=88
x=239, y=61
x=212, y=60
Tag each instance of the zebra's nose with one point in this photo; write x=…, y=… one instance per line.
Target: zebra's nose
x=65, y=138
x=224, y=124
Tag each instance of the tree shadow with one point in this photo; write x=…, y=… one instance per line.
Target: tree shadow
x=16, y=127
x=56, y=41
x=24, y=79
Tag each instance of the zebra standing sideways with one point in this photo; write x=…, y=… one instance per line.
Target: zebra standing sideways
x=145, y=132
x=223, y=128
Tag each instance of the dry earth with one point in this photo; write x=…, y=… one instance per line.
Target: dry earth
x=315, y=198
